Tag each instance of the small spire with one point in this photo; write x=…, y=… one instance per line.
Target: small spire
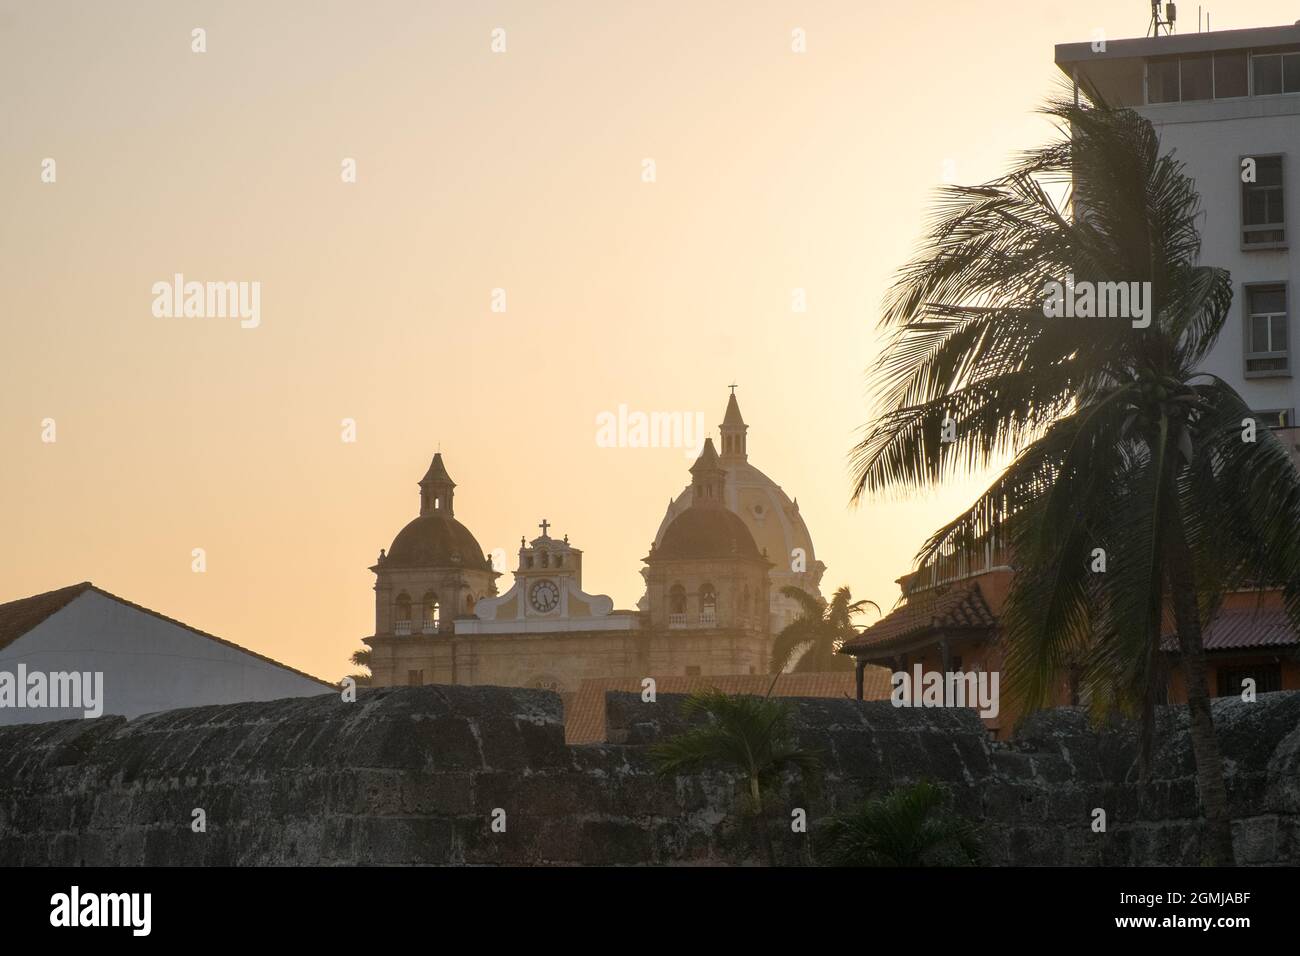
x=733, y=430
x=436, y=489
x=733, y=416
x=707, y=477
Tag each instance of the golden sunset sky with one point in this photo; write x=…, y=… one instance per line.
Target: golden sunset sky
x=476, y=171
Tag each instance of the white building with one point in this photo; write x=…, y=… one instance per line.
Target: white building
x=148, y=662
x=1220, y=99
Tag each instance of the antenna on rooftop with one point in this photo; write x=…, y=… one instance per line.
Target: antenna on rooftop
x=1168, y=22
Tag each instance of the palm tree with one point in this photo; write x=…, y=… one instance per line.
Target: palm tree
x=1118, y=447
x=751, y=735
x=361, y=658
x=906, y=827
x=813, y=639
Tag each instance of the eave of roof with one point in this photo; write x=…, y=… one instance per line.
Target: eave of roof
x=25, y=614
x=1243, y=629
x=961, y=610
x=1069, y=54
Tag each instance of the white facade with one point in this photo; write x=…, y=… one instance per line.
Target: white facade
x=1212, y=129
x=149, y=663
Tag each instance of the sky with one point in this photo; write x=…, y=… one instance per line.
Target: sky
x=651, y=186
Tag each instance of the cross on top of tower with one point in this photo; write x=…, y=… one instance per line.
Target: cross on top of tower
x=545, y=525
x=733, y=388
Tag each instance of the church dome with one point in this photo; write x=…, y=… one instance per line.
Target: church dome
x=434, y=540
x=768, y=513
x=706, y=533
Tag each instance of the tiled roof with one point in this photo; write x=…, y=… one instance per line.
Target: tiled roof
x=960, y=607
x=19, y=617
x=1241, y=628
x=584, y=711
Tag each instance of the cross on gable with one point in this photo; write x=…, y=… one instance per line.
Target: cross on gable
x=544, y=526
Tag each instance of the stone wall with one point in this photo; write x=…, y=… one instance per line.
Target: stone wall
x=414, y=775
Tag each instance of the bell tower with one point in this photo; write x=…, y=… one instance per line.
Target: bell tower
x=436, y=489
x=733, y=429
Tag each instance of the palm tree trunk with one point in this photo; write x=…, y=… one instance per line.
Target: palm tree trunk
x=1205, y=744
x=760, y=821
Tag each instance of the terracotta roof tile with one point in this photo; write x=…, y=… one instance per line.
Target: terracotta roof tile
x=584, y=710
x=960, y=607
x=1242, y=628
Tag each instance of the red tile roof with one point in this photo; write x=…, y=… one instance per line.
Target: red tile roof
x=1242, y=628
x=19, y=617
x=584, y=710
x=957, y=607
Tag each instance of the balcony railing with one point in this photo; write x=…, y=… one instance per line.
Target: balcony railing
x=402, y=628
x=708, y=617
x=677, y=620
x=429, y=627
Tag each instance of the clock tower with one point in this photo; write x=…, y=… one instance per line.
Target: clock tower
x=547, y=595
x=546, y=570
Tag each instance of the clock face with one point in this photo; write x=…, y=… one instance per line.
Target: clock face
x=545, y=596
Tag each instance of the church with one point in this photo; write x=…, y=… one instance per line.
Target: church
x=713, y=577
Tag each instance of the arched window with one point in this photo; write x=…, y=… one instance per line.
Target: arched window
x=708, y=605
x=677, y=599
x=403, y=613
x=432, y=612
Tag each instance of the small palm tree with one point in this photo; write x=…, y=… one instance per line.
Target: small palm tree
x=811, y=641
x=751, y=735
x=907, y=827
x=361, y=658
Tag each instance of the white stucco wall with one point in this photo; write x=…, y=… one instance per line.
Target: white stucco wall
x=149, y=664
x=1211, y=138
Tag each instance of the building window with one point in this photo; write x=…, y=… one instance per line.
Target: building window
x=1267, y=677
x=1263, y=205
x=1266, y=332
x=1275, y=73
x=1197, y=77
x=432, y=613
x=708, y=605
x=1230, y=76
x=1274, y=417
x=1162, y=80
x=677, y=599
x=415, y=678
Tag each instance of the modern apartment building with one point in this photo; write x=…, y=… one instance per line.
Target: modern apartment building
x=1228, y=103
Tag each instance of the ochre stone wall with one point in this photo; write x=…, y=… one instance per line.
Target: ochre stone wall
x=409, y=776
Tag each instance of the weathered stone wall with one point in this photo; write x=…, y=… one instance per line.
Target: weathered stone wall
x=407, y=776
